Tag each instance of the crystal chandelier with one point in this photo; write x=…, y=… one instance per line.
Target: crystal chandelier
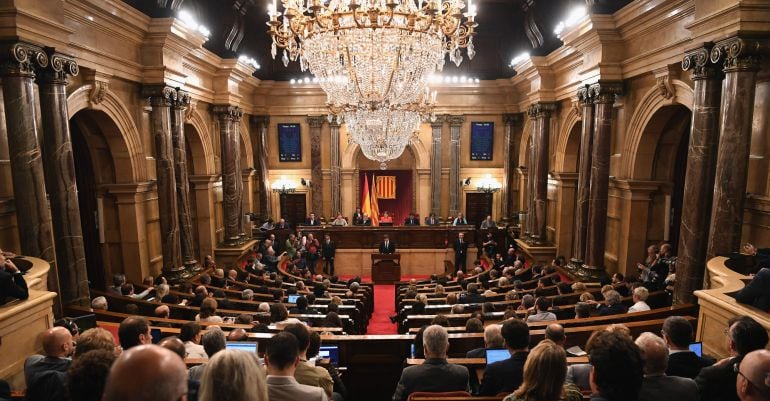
x=377, y=53
x=382, y=134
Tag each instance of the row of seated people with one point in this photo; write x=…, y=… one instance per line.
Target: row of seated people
x=363, y=219
x=621, y=368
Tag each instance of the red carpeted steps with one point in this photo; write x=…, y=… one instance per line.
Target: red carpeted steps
x=384, y=299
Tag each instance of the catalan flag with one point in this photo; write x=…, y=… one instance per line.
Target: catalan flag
x=386, y=187
x=375, y=205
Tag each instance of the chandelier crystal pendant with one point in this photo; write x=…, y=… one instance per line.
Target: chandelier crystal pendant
x=382, y=134
x=373, y=52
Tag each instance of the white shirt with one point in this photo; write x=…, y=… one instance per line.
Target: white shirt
x=640, y=306
x=195, y=350
x=541, y=317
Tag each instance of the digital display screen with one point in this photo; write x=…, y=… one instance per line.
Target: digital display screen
x=482, y=140
x=289, y=143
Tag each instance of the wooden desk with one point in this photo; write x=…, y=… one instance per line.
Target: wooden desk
x=386, y=268
x=405, y=237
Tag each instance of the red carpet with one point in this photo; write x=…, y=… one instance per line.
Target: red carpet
x=384, y=306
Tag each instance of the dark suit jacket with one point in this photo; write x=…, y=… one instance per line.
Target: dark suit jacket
x=616, y=309
x=434, y=375
x=717, y=383
x=504, y=376
x=478, y=353
x=284, y=226
x=657, y=388
x=461, y=249
x=685, y=364
x=412, y=222
x=757, y=292
x=472, y=299
x=431, y=221
x=328, y=250
x=12, y=286
x=358, y=218
x=314, y=222
x=46, y=379
x=391, y=248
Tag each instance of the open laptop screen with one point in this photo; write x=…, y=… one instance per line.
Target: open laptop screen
x=241, y=346
x=496, y=355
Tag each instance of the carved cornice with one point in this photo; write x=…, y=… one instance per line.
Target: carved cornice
x=664, y=77
x=226, y=112
x=21, y=59
x=439, y=121
x=605, y=92
x=315, y=121
x=541, y=109
x=699, y=63
x=584, y=96
x=188, y=114
x=159, y=95
x=739, y=54
x=59, y=67
x=455, y=121
x=100, y=85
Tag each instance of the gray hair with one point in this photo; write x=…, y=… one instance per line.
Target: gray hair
x=654, y=353
x=233, y=376
x=612, y=297
x=213, y=341
x=99, y=303
x=264, y=307
x=492, y=336
x=354, y=285
x=641, y=293
x=435, y=340
x=247, y=294
x=161, y=291
x=528, y=301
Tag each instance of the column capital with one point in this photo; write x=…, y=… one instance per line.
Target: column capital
x=455, y=121
x=604, y=92
x=513, y=119
x=21, y=59
x=159, y=95
x=698, y=61
x=59, y=67
x=439, y=121
x=541, y=109
x=334, y=124
x=315, y=121
x=182, y=101
x=584, y=96
x=260, y=120
x=227, y=112
x=739, y=53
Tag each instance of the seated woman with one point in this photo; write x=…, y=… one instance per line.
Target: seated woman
x=386, y=218
x=340, y=221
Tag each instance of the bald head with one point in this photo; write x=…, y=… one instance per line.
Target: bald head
x=57, y=342
x=175, y=345
x=654, y=353
x=147, y=373
x=492, y=336
x=754, y=368
x=162, y=311
x=555, y=333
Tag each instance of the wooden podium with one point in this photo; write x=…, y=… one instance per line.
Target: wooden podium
x=386, y=268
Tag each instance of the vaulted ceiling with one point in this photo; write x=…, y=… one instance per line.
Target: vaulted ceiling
x=505, y=28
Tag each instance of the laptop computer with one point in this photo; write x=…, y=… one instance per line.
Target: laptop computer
x=330, y=352
x=242, y=346
x=697, y=348
x=293, y=299
x=496, y=355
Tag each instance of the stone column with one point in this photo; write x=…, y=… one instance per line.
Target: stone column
x=316, y=173
x=586, y=101
x=260, y=164
x=455, y=123
x=531, y=160
x=161, y=98
x=604, y=96
x=510, y=163
x=435, y=165
x=335, y=170
x=59, y=165
x=701, y=164
x=33, y=218
x=229, y=117
x=182, y=181
x=541, y=112
x=740, y=58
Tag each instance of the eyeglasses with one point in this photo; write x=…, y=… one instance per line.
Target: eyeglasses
x=737, y=370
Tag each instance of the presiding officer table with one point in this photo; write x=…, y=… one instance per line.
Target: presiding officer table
x=423, y=249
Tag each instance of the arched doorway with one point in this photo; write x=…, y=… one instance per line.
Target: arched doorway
x=404, y=171
x=562, y=188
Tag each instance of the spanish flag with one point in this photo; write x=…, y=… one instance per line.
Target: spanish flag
x=375, y=205
x=366, y=204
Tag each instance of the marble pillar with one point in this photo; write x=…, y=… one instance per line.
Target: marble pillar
x=316, y=173
x=540, y=112
x=161, y=98
x=455, y=123
x=531, y=157
x=59, y=166
x=229, y=117
x=604, y=96
x=741, y=61
x=435, y=165
x=19, y=61
x=701, y=165
x=586, y=103
x=179, y=142
x=259, y=142
x=236, y=145
x=335, y=168
x=510, y=163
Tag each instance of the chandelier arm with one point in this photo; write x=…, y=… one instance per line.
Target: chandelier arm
x=352, y=73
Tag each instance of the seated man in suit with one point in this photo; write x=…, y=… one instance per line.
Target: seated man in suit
x=12, y=284
x=757, y=292
x=506, y=375
x=677, y=332
x=46, y=375
x=459, y=220
x=717, y=382
x=411, y=220
x=761, y=257
x=282, y=225
x=435, y=374
x=387, y=246
x=656, y=385
x=431, y=220
x=488, y=223
x=366, y=220
x=281, y=360
x=358, y=217
x=754, y=376
x=312, y=220
x=492, y=340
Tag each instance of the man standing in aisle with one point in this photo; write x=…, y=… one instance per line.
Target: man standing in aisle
x=461, y=252
x=328, y=250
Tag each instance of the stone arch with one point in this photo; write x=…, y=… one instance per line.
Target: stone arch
x=418, y=149
x=200, y=144
x=639, y=149
x=524, y=144
x=247, y=152
x=124, y=143
x=568, y=143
